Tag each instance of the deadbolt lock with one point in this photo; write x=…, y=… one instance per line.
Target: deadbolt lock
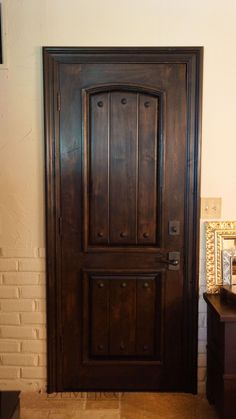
x=174, y=228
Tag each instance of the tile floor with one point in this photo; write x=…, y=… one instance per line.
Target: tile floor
x=115, y=406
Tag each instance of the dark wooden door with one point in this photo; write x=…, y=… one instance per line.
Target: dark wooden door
x=122, y=152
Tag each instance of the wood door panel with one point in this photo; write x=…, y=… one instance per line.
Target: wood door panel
x=99, y=169
x=99, y=312
x=148, y=164
x=123, y=316
x=123, y=168
x=122, y=154
x=122, y=162
x=148, y=333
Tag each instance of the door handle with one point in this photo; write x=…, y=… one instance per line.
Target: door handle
x=173, y=261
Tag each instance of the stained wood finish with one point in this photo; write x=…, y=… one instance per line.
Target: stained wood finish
x=122, y=147
x=148, y=303
x=99, y=172
x=122, y=170
x=123, y=316
x=221, y=355
x=122, y=154
x=148, y=161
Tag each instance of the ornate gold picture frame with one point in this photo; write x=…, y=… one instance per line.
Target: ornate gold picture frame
x=219, y=236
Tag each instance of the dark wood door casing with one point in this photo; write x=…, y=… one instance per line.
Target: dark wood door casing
x=143, y=232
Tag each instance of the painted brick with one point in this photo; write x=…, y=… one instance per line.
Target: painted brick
x=20, y=359
x=8, y=265
x=42, y=279
x=9, y=318
x=41, y=332
x=35, y=291
x=9, y=372
x=21, y=278
x=9, y=346
x=202, y=320
x=202, y=282
x=24, y=252
x=17, y=332
x=42, y=360
x=33, y=372
x=202, y=275
x=201, y=347
x=201, y=373
x=202, y=306
x=23, y=385
x=34, y=346
x=17, y=305
x=202, y=289
x=202, y=360
x=33, y=318
x=201, y=388
x=40, y=305
x=32, y=265
x=42, y=252
x=9, y=292
x=202, y=333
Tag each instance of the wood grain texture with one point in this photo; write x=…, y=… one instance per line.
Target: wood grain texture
x=221, y=355
x=99, y=312
x=99, y=168
x=176, y=74
x=148, y=163
x=123, y=153
x=123, y=167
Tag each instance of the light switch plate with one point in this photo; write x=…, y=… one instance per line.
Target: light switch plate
x=210, y=208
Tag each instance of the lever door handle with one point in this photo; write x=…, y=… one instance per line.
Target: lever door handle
x=173, y=261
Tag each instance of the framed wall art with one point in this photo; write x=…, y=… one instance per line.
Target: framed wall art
x=220, y=254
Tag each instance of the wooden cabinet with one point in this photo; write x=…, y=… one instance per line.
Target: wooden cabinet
x=221, y=356
x=9, y=404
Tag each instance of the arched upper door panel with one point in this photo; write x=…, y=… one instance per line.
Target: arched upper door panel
x=123, y=132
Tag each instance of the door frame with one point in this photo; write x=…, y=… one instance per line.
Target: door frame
x=192, y=57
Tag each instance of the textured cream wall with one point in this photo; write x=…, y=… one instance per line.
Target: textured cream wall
x=34, y=23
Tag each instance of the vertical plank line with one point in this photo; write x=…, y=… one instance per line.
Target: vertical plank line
x=109, y=283
x=136, y=348
x=137, y=169
x=108, y=165
x=157, y=162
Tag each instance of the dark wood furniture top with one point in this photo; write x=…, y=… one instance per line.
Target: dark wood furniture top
x=226, y=312
x=228, y=295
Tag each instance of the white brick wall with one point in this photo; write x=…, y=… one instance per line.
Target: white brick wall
x=22, y=319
